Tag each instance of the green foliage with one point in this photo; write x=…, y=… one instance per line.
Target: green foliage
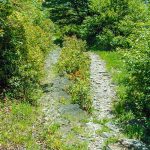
x=137, y=99
x=68, y=15
x=66, y=11
x=106, y=23
x=16, y=125
x=80, y=94
x=74, y=49
x=112, y=22
x=74, y=63
x=26, y=39
x=138, y=64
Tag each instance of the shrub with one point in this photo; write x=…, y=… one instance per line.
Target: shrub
x=133, y=108
x=112, y=22
x=79, y=92
x=74, y=63
x=26, y=36
x=138, y=64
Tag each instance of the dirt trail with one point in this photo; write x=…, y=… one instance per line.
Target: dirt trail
x=103, y=94
x=102, y=89
x=58, y=110
x=77, y=129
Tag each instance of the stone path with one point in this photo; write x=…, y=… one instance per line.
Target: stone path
x=79, y=130
x=57, y=107
x=102, y=93
x=106, y=133
x=102, y=90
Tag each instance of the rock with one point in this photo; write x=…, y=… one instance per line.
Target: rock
x=69, y=108
x=93, y=126
x=135, y=144
x=116, y=146
x=107, y=135
x=112, y=126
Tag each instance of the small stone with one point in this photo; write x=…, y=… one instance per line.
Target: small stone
x=135, y=144
x=106, y=135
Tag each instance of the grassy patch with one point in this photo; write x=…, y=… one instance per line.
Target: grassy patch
x=53, y=138
x=102, y=121
x=16, y=125
x=102, y=130
x=111, y=140
x=114, y=64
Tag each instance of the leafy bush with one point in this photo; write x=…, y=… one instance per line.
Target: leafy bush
x=26, y=39
x=133, y=108
x=74, y=49
x=112, y=22
x=74, y=63
x=80, y=94
x=138, y=64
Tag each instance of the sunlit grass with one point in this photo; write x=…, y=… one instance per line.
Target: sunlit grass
x=16, y=125
x=114, y=64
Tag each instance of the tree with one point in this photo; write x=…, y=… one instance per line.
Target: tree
x=112, y=22
x=64, y=12
x=26, y=38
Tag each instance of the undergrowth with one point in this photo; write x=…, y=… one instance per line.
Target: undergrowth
x=74, y=64
x=16, y=125
x=53, y=139
x=26, y=38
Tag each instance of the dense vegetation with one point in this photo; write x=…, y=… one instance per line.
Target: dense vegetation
x=122, y=26
x=26, y=37
x=69, y=15
x=137, y=98
x=75, y=64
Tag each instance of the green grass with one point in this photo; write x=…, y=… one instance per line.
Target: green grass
x=103, y=129
x=53, y=138
x=16, y=125
x=114, y=64
x=102, y=121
